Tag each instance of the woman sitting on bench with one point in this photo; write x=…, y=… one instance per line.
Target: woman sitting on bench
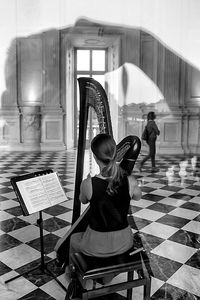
x=109, y=194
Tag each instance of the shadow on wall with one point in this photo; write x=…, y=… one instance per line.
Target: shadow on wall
x=33, y=69
x=150, y=76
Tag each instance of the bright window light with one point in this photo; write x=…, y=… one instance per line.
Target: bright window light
x=98, y=60
x=83, y=60
x=100, y=79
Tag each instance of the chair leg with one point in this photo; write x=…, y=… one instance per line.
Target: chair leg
x=70, y=290
x=147, y=289
x=74, y=289
x=129, y=291
x=84, y=296
x=94, y=283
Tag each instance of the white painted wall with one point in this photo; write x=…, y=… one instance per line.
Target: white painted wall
x=175, y=22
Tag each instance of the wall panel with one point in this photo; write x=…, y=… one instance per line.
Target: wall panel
x=52, y=133
x=170, y=132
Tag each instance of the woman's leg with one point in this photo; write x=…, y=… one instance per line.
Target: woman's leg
x=152, y=146
x=145, y=158
x=152, y=152
x=74, y=289
x=75, y=242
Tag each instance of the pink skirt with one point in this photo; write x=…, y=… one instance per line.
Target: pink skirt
x=102, y=244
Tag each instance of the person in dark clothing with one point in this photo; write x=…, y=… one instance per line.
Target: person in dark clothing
x=152, y=132
x=109, y=194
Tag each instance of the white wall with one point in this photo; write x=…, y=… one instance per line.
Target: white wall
x=175, y=22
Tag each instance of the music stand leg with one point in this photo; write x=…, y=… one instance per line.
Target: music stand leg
x=42, y=266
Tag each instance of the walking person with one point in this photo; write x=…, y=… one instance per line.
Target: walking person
x=152, y=133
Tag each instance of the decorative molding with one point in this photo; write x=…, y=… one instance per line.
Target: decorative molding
x=170, y=132
x=52, y=131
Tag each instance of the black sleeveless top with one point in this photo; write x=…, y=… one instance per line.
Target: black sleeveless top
x=109, y=212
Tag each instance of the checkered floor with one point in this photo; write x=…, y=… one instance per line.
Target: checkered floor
x=167, y=219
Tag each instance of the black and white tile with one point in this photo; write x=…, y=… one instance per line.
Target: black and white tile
x=167, y=220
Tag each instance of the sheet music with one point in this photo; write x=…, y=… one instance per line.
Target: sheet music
x=41, y=192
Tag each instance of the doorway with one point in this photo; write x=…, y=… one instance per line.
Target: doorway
x=89, y=62
x=89, y=55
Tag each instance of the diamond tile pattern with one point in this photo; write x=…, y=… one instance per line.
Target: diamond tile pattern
x=167, y=220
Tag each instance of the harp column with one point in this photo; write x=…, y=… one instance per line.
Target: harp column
x=113, y=80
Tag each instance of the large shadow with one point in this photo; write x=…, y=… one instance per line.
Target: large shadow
x=27, y=61
x=152, y=76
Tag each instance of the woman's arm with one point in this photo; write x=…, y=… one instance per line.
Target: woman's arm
x=85, y=190
x=134, y=190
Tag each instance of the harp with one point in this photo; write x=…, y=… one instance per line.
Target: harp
x=93, y=95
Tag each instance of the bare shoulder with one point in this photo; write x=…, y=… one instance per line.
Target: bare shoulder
x=86, y=181
x=132, y=180
x=134, y=189
x=86, y=190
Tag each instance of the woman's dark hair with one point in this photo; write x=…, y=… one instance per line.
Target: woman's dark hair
x=151, y=115
x=104, y=148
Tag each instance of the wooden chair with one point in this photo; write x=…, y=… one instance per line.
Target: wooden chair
x=85, y=267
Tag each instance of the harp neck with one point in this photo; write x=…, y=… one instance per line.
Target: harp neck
x=92, y=95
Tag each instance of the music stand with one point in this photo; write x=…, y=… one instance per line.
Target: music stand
x=22, y=186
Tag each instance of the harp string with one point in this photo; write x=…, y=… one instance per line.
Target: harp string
x=90, y=166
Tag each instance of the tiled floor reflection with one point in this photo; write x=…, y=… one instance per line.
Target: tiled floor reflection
x=167, y=218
